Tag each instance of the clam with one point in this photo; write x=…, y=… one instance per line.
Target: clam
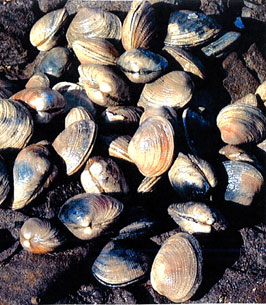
x=250, y=99
x=44, y=33
x=139, y=27
x=152, y=146
x=16, y=125
x=75, y=143
x=40, y=236
x=75, y=96
x=103, y=85
x=173, y=89
x=236, y=153
x=241, y=124
x=47, y=102
x=4, y=182
x=121, y=263
x=141, y=65
x=102, y=175
x=197, y=217
x=147, y=185
x=88, y=215
x=261, y=92
x=177, y=268
x=90, y=22
x=95, y=51
x=55, y=62
x=38, y=80
x=77, y=114
x=244, y=182
x=33, y=171
x=192, y=177
x=190, y=28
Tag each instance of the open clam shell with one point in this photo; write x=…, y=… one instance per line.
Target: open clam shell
x=177, y=268
x=75, y=143
x=88, y=215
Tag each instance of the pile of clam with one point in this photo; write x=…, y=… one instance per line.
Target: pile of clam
x=162, y=143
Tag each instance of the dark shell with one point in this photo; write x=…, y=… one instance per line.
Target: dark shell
x=4, y=182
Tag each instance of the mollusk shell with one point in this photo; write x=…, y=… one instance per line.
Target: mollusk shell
x=177, y=268
x=241, y=124
x=43, y=33
x=38, y=80
x=152, y=146
x=88, y=215
x=261, y=91
x=75, y=143
x=16, y=125
x=32, y=172
x=40, y=236
x=4, y=182
x=77, y=114
x=190, y=28
x=236, y=153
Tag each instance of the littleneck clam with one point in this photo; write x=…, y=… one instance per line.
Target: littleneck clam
x=241, y=124
x=4, y=182
x=102, y=175
x=177, y=268
x=33, y=171
x=38, y=80
x=44, y=33
x=75, y=143
x=77, y=114
x=244, y=182
x=190, y=28
x=16, y=125
x=121, y=263
x=141, y=65
x=236, y=153
x=152, y=146
x=261, y=92
x=40, y=236
x=88, y=215
x=197, y=217
x=192, y=177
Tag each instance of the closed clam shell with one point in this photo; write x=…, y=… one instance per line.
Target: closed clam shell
x=90, y=22
x=139, y=27
x=33, y=171
x=103, y=85
x=75, y=143
x=43, y=34
x=244, y=182
x=190, y=28
x=148, y=184
x=241, y=124
x=4, y=182
x=40, y=236
x=95, y=50
x=88, y=215
x=77, y=114
x=152, y=146
x=197, y=217
x=121, y=263
x=141, y=65
x=186, y=60
x=38, y=80
x=236, y=153
x=16, y=125
x=173, y=89
x=47, y=102
x=261, y=92
x=102, y=175
x=177, y=268
x=191, y=177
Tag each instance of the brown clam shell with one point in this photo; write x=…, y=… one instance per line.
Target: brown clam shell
x=177, y=268
x=38, y=80
x=77, y=114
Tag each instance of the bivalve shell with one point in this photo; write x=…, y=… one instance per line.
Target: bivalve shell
x=38, y=80
x=4, y=182
x=77, y=114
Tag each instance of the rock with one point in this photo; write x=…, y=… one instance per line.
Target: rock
x=47, y=6
x=212, y=7
x=258, y=12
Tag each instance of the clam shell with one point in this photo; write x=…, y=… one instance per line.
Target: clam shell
x=152, y=146
x=88, y=215
x=190, y=28
x=236, y=153
x=102, y=175
x=31, y=177
x=197, y=217
x=244, y=182
x=43, y=33
x=191, y=177
x=177, y=268
x=90, y=22
x=147, y=185
x=75, y=143
x=16, y=125
x=173, y=89
x=95, y=51
x=261, y=92
x=141, y=66
x=4, y=182
x=121, y=263
x=241, y=124
x=38, y=80
x=139, y=27
x=250, y=99
x=77, y=114
x=40, y=236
